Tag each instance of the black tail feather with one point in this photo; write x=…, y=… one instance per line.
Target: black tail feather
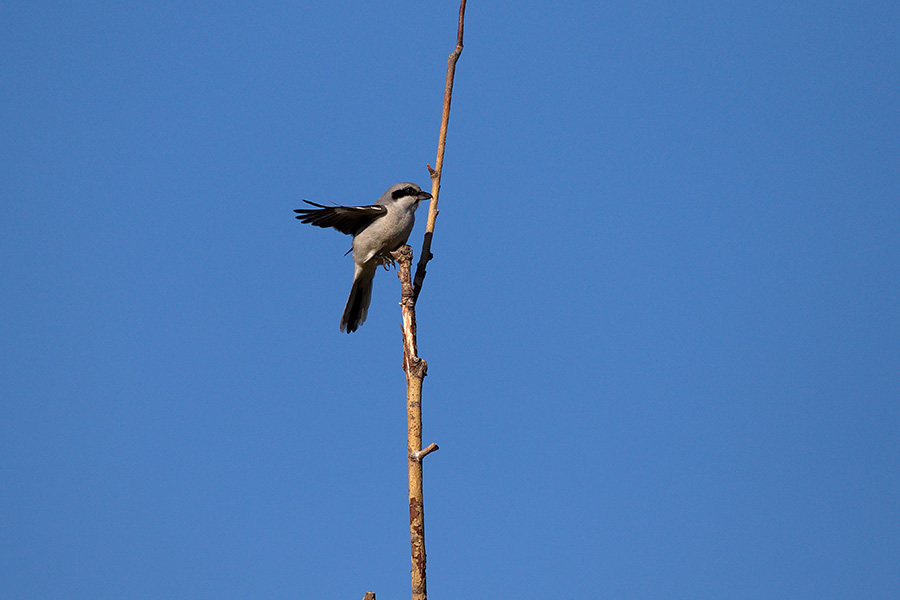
x=358, y=303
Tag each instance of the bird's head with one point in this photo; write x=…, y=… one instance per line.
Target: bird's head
x=405, y=193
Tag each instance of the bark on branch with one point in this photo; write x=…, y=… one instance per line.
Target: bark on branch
x=415, y=369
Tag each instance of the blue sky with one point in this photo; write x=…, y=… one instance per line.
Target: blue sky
x=662, y=322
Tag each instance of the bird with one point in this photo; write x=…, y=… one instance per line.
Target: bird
x=377, y=230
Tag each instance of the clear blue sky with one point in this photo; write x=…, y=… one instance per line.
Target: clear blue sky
x=662, y=321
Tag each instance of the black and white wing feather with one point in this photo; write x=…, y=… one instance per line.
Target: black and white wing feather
x=346, y=219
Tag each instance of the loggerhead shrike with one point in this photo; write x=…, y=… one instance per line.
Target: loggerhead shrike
x=377, y=231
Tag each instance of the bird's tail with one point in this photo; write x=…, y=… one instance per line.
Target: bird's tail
x=358, y=302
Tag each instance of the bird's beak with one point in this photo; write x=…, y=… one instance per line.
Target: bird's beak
x=423, y=196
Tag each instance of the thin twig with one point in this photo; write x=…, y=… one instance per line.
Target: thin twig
x=435, y=172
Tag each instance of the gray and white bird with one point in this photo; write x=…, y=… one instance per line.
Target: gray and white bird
x=377, y=231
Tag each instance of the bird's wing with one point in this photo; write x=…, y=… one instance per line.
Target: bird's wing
x=346, y=219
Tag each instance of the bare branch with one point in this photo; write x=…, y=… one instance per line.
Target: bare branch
x=435, y=172
x=415, y=367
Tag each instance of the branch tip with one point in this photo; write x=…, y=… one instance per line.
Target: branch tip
x=418, y=456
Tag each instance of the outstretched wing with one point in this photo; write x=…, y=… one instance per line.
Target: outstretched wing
x=346, y=219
